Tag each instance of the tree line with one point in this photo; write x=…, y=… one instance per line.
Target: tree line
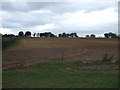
x=49, y=34
x=46, y=34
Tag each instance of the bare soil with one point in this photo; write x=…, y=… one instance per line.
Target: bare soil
x=31, y=51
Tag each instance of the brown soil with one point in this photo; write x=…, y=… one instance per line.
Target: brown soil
x=31, y=51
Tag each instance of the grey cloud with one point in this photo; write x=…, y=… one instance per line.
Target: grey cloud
x=12, y=6
x=26, y=19
x=25, y=6
x=57, y=7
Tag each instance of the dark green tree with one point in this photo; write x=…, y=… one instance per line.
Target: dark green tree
x=110, y=35
x=59, y=35
x=87, y=36
x=27, y=34
x=8, y=35
x=64, y=35
x=34, y=34
x=92, y=35
x=38, y=34
x=21, y=34
x=73, y=35
x=106, y=35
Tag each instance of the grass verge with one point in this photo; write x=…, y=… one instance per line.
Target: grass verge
x=45, y=75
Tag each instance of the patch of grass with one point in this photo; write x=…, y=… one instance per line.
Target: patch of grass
x=72, y=64
x=55, y=78
x=59, y=79
x=5, y=59
x=57, y=64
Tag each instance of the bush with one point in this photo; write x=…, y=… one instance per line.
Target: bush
x=7, y=41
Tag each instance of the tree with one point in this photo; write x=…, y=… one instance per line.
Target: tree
x=38, y=34
x=47, y=34
x=92, y=36
x=68, y=35
x=34, y=34
x=110, y=35
x=73, y=35
x=52, y=35
x=59, y=35
x=87, y=36
x=21, y=34
x=42, y=35
x=64, y=35
x=113, y=35
x=106, y=35
x=8, y=35
x=118, y=35
x=28, y=34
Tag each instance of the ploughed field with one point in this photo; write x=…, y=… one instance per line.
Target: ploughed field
x=34, y=50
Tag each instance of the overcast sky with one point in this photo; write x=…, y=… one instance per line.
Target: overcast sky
x=58, y=17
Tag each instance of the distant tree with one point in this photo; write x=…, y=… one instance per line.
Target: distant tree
x=64, y=35
x=92, y=36
x=27, y=34
x=47, y=34
x=42, y=35
x=38, y=34
x=52, y=35
x=34, y=34
x=106, y=35
x=59, y=35
x=110, y=35
x=118, y=35
x=113, y=35
x=73, y=35
x=8, y=35
x=21, y=34
x=67, y=35
x=87, y=36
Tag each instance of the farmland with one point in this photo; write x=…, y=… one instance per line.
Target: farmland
x=45, y=58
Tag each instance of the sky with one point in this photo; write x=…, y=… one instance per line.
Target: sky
x=95, y=17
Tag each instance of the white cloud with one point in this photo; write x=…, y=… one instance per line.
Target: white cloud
x=6, y=30
x=45, y=27
x=93, y=18
x=83, y=18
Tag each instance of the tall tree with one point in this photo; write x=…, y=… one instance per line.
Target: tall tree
x=27, y=34
x=106, y=35
x=64, y=35
x=92, y=35
x=73, y=35
x=110, y=35
x=38, y=34
x=59, y=35
x=21, y=34
x=34, y=34
x=87, y=36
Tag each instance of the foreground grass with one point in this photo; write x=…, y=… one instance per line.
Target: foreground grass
x=59, y=79
x=59, y=75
